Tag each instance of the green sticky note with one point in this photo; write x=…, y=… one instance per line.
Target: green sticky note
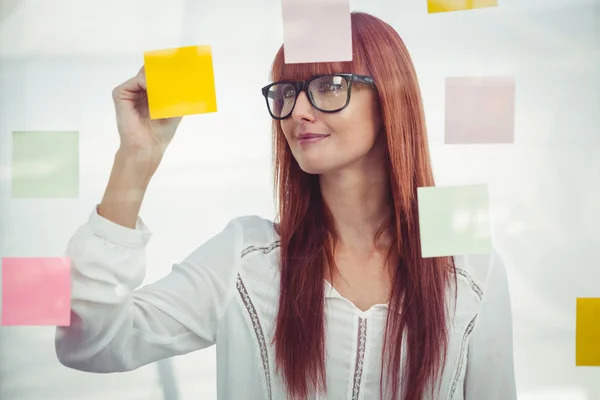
x=587, y=333
x=454, y=220
x=45, y=164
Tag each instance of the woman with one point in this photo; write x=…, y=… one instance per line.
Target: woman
x=334, y=301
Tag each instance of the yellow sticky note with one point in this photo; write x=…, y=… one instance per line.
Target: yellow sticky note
x=587, y=336
x=180, y=81
x=438, y=6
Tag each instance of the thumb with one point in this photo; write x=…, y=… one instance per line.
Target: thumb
x=141, y=78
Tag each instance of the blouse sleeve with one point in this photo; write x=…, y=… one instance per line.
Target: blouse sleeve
x=116, y=327
x=490, y=366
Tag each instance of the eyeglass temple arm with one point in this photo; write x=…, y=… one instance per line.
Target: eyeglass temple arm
x=364, y=79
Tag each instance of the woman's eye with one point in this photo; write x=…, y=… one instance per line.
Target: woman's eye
x=331, y=88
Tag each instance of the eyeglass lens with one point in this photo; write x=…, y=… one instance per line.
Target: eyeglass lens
x=328, y=93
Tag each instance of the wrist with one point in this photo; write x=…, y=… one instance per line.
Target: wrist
x=134, y=157
x=132, y=171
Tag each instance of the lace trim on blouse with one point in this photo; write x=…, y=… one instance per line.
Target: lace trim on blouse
x=260, y=337
x=462, y=354
x=474, y=286
x=360, y=357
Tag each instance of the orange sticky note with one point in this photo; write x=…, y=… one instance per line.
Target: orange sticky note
x=36, y=291
x=587, y=333
x=180, y=81
x=480, y=110
x=437, y=6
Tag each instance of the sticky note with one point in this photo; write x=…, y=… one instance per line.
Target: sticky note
x=480, y=110
x=438, y=6
x=587, y=333
x=180, y=81
x=316, y=31
x=454, y=220
x=36, y=291
x=45, y=164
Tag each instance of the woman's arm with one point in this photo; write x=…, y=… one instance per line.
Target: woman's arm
x=117, y=328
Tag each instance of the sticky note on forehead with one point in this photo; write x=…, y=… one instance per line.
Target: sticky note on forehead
x=180, y=81
x=316, y=31
x=437, y=6
x=36, y=291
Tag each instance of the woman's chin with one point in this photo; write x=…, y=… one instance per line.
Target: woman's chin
x=313, y=168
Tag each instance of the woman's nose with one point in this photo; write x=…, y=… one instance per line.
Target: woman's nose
x=303, y=110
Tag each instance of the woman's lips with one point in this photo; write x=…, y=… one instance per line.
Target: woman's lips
x=308, y=139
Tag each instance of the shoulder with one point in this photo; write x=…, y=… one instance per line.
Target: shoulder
x=253, y=232
x=257, y=255
x=254, y=226
x=235, y=240
x=480, y=273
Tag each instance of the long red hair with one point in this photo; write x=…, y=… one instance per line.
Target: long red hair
x=308, y=237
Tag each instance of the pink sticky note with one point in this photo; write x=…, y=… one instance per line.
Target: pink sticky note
x=480, y=110
x=316, y=31
x=36, y=291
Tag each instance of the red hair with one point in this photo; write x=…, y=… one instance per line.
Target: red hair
x=308, y=235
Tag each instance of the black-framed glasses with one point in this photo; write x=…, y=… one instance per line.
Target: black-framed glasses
x=326, y=93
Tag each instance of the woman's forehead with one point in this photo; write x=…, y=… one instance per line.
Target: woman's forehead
x=301, y=72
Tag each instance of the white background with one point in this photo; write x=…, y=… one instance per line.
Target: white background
x=60, y=59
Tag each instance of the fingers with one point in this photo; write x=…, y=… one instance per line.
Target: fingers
x=133, y=85
x=137, y=83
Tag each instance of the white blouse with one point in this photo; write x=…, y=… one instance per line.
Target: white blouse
x=225, y=293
